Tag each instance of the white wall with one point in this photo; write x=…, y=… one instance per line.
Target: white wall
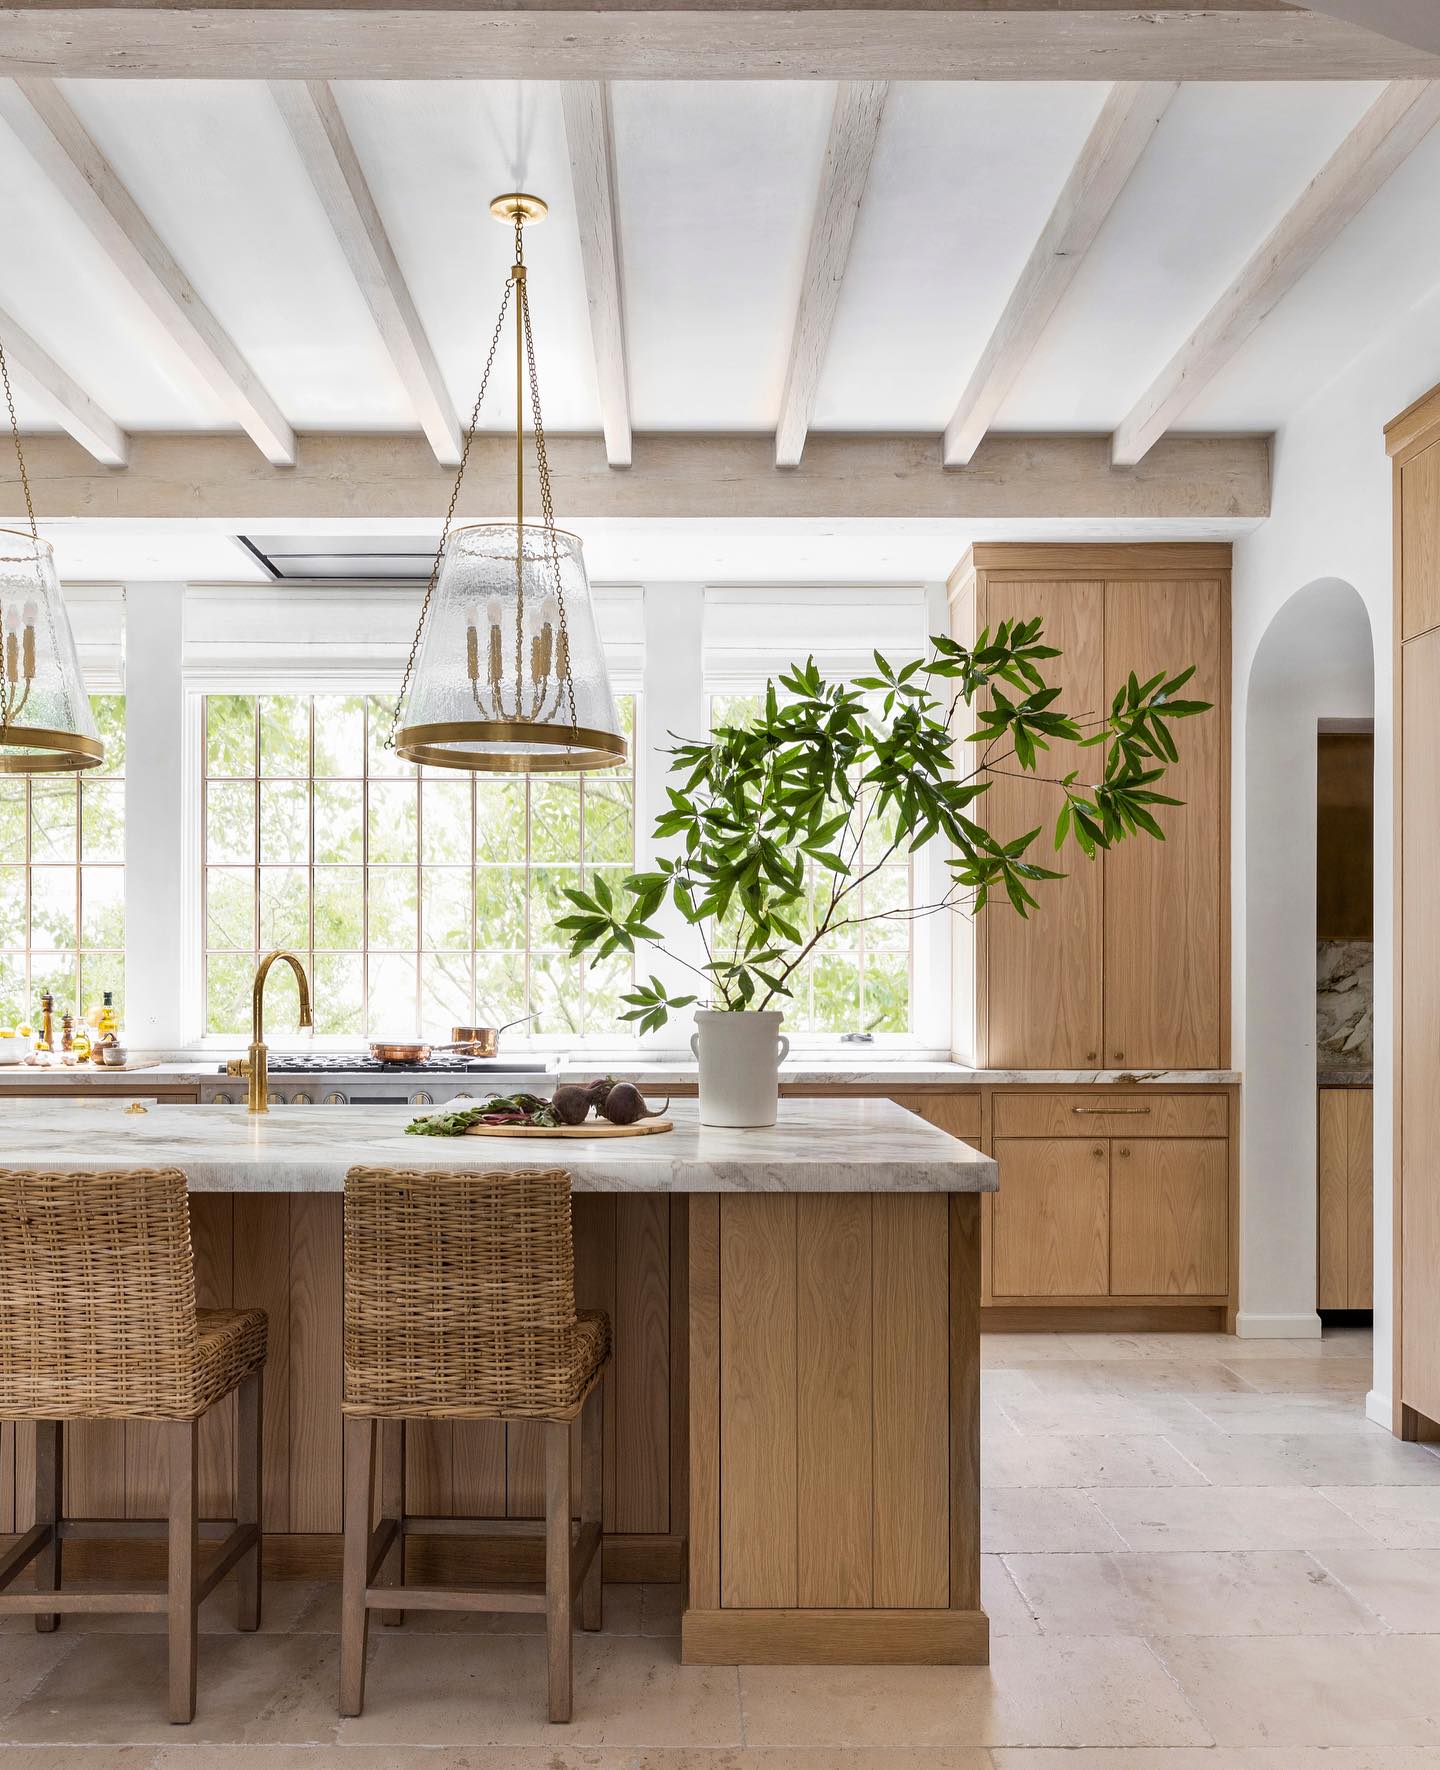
x=1331, y=517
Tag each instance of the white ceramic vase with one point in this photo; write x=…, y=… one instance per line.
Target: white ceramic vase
x=740, y=1057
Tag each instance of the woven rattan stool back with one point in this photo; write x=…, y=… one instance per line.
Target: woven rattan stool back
x=97, y=1296
x=460, y=1295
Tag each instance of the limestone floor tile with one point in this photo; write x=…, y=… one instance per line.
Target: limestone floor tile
x=1401, y=1586
x=1138, y=1377
x=1317, y=1690
x=1398, y=1517
x=1121, y=1415
x=1320, y=1376
x=1001, y=1600
x=621, y=1617
x=1019, y=1351
x=1034, y=1691
x=78, y=1757
x=490, y=1690
x=1275, y=1592
x=1284, y=1415
x=803, y=1757
x=1315, y=1459
x=390, y=1757
x=1042, y=1520
x=660, y=1608
x=1019, y=1460
x=26, y=1660
x=1226, y=1517
x=1224, y=1758
x=252, y=1689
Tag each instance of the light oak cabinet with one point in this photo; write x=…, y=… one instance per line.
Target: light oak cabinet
x=1119, y=1200
x=1345, y=1204
x=1124, y=964
x=1413, y=441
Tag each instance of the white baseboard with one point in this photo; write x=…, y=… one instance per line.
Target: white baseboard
x=1278, y=1327
x=1379, y=1408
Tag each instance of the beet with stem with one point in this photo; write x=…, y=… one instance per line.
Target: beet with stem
x=625, y=1105
x=572, y=1103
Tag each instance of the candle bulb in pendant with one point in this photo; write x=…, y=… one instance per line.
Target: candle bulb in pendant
x=549, y=616
x=494, y=614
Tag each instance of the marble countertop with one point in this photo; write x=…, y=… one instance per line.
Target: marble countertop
x=809, y=1071
x=1345, y=1078
x=816, y=1146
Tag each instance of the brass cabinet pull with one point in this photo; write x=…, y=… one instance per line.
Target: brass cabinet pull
x=1106, y=1112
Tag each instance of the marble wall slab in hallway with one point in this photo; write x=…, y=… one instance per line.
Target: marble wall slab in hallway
x=1344, y=1004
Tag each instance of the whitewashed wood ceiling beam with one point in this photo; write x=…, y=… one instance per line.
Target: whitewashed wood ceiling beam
x=965, y=40
x=345, y=476
x=1102, y=169
x=1400, y=118
x=589, y=137
x=1408, y=21
x=67, y=401
x=58, y=143
x=314, y=121
x=854, y=130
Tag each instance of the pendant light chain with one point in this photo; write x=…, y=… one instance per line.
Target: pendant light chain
x=449, y=517
x=547, y=508
x=19, y=452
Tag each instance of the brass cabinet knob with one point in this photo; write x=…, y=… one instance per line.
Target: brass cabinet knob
x=1124, y=1152
x=1098, y=1150
x=1119, y=1056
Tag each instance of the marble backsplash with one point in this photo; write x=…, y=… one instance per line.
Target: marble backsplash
x=1344, y=1004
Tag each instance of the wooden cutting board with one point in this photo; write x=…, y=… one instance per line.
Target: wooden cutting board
x=593, y=1128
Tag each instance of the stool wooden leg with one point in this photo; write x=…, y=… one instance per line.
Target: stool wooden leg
x=354, y=1617
x=248, y=1433
x=49, y=1508
x=592, y=1477
x=392, y=1505
x=558, y=1620
x=181, y=1440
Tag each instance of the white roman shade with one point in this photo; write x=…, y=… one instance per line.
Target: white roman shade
x=751, y=633
x=97, y=619
x=242, y=635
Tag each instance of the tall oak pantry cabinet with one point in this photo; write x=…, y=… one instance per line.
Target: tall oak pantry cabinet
x=1110, y=1200
x=1413, y=440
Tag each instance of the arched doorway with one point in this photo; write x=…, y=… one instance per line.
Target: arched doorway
x=1314, y=663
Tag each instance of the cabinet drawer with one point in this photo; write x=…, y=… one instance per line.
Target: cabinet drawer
x=959, y=1114
x=1169, y=1217
x=1050, y=1227
x=1111, y=1113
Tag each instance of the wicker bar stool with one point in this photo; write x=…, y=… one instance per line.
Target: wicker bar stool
x=98, y=1322
x=460, y=1305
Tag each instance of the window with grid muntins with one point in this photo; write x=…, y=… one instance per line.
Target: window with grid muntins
x=62, y=883
x=419, y=899
x=859, y=978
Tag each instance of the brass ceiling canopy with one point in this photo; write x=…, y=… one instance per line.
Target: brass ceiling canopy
x=46, y=726
x=507, y=673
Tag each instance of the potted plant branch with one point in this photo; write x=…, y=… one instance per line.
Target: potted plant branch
x=764, y=807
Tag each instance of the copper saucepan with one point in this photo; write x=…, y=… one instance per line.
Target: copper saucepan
x=473, y=1041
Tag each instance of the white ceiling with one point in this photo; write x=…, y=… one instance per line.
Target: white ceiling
x=716, y=185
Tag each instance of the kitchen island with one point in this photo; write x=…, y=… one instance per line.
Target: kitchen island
x=792, y=1414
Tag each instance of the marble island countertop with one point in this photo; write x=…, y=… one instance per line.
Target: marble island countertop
x=659, y=1072
x=816, y=1146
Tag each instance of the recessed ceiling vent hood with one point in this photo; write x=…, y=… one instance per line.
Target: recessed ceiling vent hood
x=394, y=559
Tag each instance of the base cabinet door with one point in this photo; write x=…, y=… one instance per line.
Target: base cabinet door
x=1345, y=1202
x=1051, y=1223
x=1169, y=1218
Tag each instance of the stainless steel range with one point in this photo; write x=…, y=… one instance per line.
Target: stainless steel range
x=346, y=1079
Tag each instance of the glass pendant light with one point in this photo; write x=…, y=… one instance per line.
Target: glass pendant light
x=46, y=725
x=507, y=674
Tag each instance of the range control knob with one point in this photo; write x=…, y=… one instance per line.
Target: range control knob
x=301, y=1099
x=422, y=1099
x=334, y=1099
x=224, y=1099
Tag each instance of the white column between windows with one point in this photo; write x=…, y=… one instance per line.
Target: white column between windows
x=672, y=701
x=154, y=816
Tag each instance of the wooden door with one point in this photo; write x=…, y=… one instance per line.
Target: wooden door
x=1169, y=1217
x=1040, y=987
x=1332, y=1142
x=1164, y=901
x=1360, y=1196
x=1050, y=1229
